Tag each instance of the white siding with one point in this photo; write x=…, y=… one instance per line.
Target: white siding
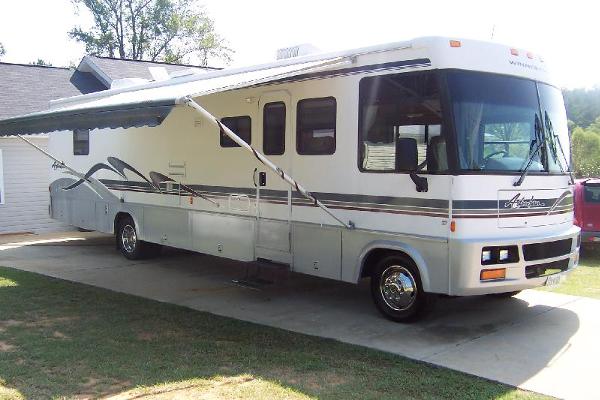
x=26, y=179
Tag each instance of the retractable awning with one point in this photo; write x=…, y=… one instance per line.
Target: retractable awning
x=149, y=104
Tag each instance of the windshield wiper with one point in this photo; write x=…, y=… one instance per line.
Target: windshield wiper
x=548, y=124
x=538, y=141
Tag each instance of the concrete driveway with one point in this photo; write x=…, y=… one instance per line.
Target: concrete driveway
x=538, y=341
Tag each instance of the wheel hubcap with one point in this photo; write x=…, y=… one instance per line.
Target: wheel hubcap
x=398, y=287
x=128, y=238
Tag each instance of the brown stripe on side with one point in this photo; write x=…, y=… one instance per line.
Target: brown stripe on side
x=306, y=204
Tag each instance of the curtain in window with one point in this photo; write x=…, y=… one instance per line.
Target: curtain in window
x=468, y=121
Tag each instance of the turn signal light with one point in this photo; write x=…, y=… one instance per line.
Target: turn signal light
x=492, y=274
x=455, y=43
x=514, y=52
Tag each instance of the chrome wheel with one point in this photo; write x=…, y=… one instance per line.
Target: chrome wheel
x=128, y=238
x=398, y=287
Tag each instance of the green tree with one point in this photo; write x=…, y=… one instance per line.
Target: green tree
x=155, y=30
x=585, y=145
x=583, y=105
x=41, y=63
x=595, y=127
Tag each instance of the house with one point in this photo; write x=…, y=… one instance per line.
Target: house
x=27, y=88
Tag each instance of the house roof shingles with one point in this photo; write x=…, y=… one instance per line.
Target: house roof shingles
x=29, y=88
x=116, y=68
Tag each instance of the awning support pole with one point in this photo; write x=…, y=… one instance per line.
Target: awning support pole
x=264, y=160
x=56, y=160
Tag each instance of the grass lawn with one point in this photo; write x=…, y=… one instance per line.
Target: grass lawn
x=67, y=340
x=585, y=279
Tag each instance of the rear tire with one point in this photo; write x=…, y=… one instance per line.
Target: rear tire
x=397, y=290
x=130, y=245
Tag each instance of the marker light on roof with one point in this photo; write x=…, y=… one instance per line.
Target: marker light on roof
x=455, y=43
x=514, y=52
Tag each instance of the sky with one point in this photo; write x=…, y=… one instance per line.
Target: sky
x=565, y=33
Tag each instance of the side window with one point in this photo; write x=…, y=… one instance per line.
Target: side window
x=81, y=142
x=241, y=126
x=592, y=193
x=315, y=126
x=400, y=106
x=274, y=128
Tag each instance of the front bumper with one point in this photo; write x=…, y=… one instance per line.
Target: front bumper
x=465, y=264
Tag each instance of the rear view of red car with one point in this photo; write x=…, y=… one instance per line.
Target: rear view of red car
x=587, y=210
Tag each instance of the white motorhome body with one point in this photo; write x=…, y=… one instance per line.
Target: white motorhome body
x=440, y=165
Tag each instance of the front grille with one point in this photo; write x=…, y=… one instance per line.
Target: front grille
x=539, y=251
x=535, y=271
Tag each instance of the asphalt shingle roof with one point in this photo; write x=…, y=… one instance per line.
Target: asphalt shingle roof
x=116, y=68
x=29, y=88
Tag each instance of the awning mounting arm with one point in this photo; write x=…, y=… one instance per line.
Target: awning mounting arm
x=97, y=186
x=56, y=160
x=264, y=160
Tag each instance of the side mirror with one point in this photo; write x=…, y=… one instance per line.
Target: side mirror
x=407, y=160
x=406, y=155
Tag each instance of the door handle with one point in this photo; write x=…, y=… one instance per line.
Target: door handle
x=262, y=178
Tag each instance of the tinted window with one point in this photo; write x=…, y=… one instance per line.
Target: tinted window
x=81, y=142
x=241, y=126
x=315, y=128
x=592, y=194
x=557, y=132
x=495, y=119
x=400, y=106
x=274, y=128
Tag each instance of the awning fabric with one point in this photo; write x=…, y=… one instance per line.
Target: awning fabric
x=147, y=104
x=142, y=114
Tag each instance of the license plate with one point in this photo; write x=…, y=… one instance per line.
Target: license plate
x=554, y=280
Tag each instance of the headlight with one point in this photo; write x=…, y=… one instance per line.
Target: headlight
x=486, y=255
x=499, y=255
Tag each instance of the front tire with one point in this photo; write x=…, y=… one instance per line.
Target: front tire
x=130, y=245
x=397, y=289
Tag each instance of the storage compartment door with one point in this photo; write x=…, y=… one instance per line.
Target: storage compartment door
x=317, y=251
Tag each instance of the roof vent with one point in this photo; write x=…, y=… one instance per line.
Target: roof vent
x=159, y=73
x=127, y=82
x=187, y=72
x=296, y=51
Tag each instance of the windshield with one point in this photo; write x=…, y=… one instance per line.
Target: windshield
x=495, y=120
x=555, y=121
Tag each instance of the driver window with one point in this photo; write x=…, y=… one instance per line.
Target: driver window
x=400, y=106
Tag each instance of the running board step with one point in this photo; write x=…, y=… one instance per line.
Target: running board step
x=254, y=280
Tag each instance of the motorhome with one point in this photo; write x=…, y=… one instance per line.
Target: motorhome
x=431, y=166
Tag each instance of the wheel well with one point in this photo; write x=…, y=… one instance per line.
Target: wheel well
x=120, y=215
x=373, y=257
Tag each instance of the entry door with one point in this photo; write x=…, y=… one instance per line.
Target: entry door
x=273, y=200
